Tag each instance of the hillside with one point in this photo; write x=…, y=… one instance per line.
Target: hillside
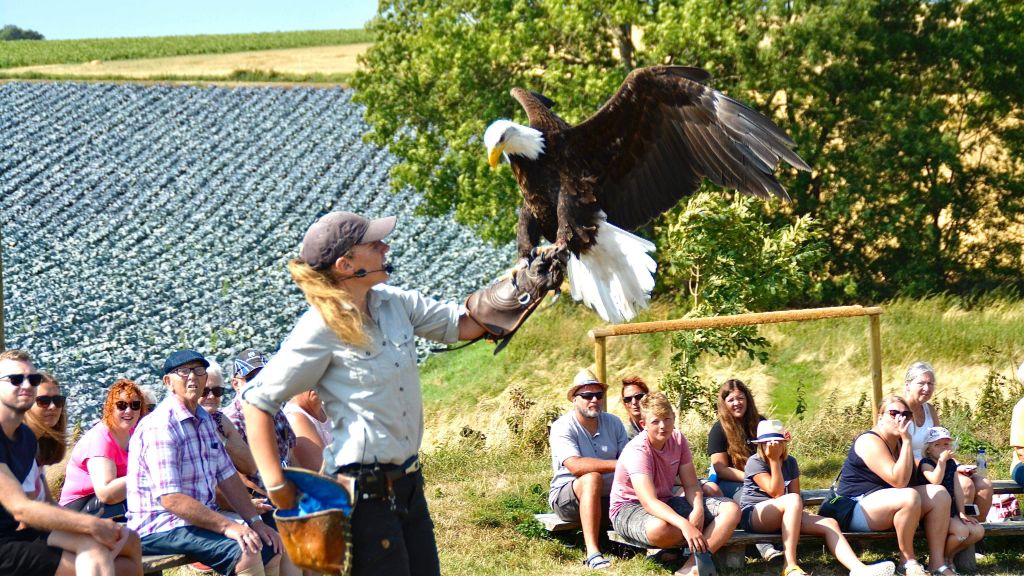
x=139, y=219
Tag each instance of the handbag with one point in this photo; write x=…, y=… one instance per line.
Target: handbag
x=838, y=507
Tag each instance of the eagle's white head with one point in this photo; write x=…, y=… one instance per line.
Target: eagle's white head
x=507, y=137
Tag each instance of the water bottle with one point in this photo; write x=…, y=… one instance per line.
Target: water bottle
x=712, y=475
x=982, y=462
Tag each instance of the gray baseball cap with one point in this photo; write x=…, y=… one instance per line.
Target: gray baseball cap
x=335, y=233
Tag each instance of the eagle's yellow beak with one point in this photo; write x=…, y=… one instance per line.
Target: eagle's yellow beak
x=495, y=155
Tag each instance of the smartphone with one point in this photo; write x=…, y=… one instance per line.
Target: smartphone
x=967, y=469
x=970, y=509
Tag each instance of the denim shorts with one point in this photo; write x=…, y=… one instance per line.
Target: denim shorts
x=215, y=550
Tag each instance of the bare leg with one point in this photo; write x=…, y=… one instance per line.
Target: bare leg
x=935, y=515
x=982, y=496
x=783, y=513
x=898, y=508
x=588, y=492
x=828, y=528
x=89, y=556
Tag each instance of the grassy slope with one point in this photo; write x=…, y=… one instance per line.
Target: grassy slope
x=483, y=490
x=32, y=52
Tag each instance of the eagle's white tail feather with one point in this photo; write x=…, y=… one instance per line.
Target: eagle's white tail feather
x=616, y=276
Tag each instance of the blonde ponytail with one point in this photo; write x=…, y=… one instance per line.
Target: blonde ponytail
x=333, y=303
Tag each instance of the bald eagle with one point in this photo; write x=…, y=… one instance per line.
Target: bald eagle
x=585, y=187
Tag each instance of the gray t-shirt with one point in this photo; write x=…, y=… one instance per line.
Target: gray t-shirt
x=752, y=493
x=570, y=439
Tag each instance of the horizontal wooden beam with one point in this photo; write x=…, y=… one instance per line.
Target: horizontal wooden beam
x=733, y=320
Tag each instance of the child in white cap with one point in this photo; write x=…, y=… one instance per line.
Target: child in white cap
x=771, y=503
x=939, y=467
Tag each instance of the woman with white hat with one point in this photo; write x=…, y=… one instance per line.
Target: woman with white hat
x=771, y=502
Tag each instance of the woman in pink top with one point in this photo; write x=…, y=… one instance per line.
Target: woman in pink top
x=95, y=478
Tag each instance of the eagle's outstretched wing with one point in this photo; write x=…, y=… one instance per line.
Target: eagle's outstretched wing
x=651, y=143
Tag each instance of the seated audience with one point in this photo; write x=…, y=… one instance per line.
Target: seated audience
x=94, y=480
x=312, y=427
x=633, y=391
x=247, y=366
x=38, y=538
x=919, y=386
x=877, y=473
x=585, y=443
x=939, y=467
x=211, y=401
x=176, y=465
x=643, y=508
x=729, y=445
x=48, y=420
x=771, y=503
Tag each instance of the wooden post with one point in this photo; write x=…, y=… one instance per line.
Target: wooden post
x=876, y=363
x=599, y=357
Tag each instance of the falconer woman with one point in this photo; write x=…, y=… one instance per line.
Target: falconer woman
x=356, y=347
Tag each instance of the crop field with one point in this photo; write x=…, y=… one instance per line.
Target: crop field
x=36, y=52
x=139, y=219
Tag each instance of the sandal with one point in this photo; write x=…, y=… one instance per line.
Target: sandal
x=705, y=564
x=915, y=569
x=878, y=569
x=596, y=562
x=945, y=570
x=664, y=556
x=794, y=570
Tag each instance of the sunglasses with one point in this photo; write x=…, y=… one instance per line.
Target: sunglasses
x=47, y=401
x=590, y=395
x=150, y=407
x=904, y=413
x=634, y=398
x=19, y=379
x=217, y=391
x=134, y=405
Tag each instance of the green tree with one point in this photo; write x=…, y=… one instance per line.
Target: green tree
x=909, y=111
x=722, y=256
x=10, y=32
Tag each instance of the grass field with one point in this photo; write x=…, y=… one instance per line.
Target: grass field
x=33, y=52
x=486, y=455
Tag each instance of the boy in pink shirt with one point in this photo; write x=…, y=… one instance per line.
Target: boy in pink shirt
x=643, y=508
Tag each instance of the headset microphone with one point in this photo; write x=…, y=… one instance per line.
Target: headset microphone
x=362, y=272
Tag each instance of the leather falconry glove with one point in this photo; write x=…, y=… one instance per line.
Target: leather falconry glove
x=502, y=307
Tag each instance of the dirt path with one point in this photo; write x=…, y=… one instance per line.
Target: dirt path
x=323, y=59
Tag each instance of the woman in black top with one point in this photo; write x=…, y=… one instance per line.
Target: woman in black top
x=877, y=473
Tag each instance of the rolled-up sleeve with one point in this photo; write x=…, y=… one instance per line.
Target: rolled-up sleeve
x=430, y=318
x=298, y=366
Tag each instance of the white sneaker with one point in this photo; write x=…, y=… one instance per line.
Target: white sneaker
x=880, y=569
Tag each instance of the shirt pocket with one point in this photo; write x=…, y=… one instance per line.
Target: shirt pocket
x=359, y=367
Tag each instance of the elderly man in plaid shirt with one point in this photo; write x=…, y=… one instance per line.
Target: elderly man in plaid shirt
x=176, y=462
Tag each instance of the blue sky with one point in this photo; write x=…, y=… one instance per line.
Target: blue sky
x=65, y=19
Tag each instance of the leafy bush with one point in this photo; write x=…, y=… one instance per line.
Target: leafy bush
x=721, y=257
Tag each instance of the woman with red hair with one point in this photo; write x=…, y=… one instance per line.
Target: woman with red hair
x=95, y=479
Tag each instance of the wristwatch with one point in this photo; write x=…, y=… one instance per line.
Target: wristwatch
x=249, y=522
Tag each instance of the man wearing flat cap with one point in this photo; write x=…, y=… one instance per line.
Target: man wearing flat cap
x=585, y=444
x=176, y=464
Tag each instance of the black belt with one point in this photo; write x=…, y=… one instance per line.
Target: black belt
x=375, y=481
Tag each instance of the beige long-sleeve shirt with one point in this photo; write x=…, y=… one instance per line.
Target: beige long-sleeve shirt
x=372, y=395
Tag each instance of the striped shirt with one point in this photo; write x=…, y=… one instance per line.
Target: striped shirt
x=173, y=452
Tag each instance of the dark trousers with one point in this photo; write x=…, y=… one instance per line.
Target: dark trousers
x=396, y=542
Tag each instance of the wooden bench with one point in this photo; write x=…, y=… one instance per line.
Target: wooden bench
x=732, y=555
x=157, y=564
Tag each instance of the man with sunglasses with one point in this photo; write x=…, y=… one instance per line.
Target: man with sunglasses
x=585, y=444
x=176, y=465
x=37, y=538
